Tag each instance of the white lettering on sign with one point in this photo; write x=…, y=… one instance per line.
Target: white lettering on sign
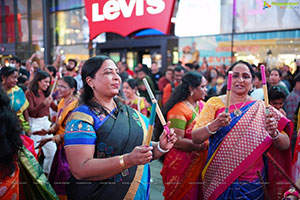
x=113, y=8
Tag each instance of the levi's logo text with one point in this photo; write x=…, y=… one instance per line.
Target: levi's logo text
x=112, y=9
x=126, y=16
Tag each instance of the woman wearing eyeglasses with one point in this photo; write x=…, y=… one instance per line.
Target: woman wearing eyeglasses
x=237, y=141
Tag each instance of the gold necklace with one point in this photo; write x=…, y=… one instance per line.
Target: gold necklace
x=237, y=112
x=190, y=106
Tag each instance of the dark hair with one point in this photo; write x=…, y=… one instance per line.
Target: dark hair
x=73, y=60
x=190, y=79
x=276, y=92
x=38, y=76
x=279, y=72
x=18, y=60
x=178, y=69
x=22, y=79
x=71, y=82
x=89, y=69
x=297, y=78
x=7, y=71
x=10, y=141
x=258, y=75
x=52, y=69
x=169, y=69
x=190, y=66
x=241, y=62
x=132, y=83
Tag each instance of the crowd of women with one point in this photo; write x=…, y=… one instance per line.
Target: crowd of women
x=95, y=146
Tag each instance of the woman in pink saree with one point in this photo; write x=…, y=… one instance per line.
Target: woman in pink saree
x=238, y=140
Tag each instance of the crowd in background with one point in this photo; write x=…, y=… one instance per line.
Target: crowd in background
x=44, y=96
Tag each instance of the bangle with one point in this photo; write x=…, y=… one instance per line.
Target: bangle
x=209, y=131
x=160, y=149
x=277, y=136
x=292, y=191
x=122, y=163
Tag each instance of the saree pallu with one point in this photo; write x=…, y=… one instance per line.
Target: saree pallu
x=9, y=186
x=141, y=105
x=33, y=182
x=63, y=112
x=60, y=171
x=19, y=103
x=181, y=170
x=113, y=137
x=245, y=139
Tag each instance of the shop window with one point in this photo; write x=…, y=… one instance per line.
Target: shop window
x=23, y=17
x=71, y=27
x=66, y=5
x=37, y=20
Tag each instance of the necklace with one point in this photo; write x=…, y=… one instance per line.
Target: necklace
x=190, y=106
x=107, y=110
x=237, y=112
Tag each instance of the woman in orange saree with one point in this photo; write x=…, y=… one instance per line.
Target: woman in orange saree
x=179, y=163
x=60, y=172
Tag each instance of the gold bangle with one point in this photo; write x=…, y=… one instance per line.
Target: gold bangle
x=122, y=163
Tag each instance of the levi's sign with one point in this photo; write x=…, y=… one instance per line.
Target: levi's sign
x=126, y=16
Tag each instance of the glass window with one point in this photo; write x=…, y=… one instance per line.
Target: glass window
x=23, y=17
x=37, y=20
x=66, y=5
x=69, y=27
x=9, y=32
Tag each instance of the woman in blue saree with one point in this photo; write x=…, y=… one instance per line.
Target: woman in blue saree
x=238, y=140
x=105, y=140
x=18, y=101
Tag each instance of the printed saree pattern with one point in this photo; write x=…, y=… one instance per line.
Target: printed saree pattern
x=234, y=149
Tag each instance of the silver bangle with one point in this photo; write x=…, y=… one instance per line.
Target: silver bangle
x=277, y=136
x=160, y=149
x=209, y=131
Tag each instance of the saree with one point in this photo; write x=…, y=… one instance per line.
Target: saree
x=235, y=153
x=33, y=182
x=9, y=186
x=141, y=105
x=19, y=103
x=181, y=170
x=112, y=135
x=60, y=171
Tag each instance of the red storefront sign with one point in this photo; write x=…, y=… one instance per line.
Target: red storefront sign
x=126, y=16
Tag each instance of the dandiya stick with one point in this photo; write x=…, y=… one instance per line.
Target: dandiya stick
x=261, y=180
x=274, y=162
x=55, y=80
x=159, y=113
x=228, y=92
x=151, y=123
x=265, y=88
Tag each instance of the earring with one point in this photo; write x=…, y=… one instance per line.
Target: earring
x=192, y=93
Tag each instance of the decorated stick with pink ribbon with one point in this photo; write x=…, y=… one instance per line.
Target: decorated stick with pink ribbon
x=158, y=111
x=228, y=92
x=265, y=88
